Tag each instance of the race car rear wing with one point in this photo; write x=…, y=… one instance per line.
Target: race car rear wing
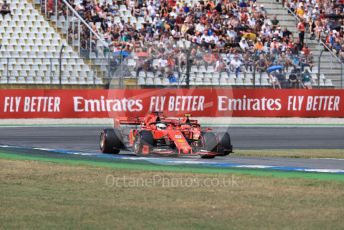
x=128, y=121
x=141, y=120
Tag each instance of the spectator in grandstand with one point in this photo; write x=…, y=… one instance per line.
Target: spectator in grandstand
x=162, y=64
x=274, y=46
x=278, y=78
x=318, y=29
x=258, y=46
x=220, y=65
x=274, y=78
x=210, y=59
x=291, y=5
x=278, y=33
x=301, y=28
x=286, y=34
x=172, y=78
x=293, y=80
x=306, y=51
x=262, y=63
x=306, y=80
x=249, y=60
x=336, y=46
x=274, y=22
x=143, y=64
x=236, y=65
x=263, y=11
x=243, y=44
x=296, y=47
x=306, y=60
x=5, y=9
x=300, y=10
x=284, y=60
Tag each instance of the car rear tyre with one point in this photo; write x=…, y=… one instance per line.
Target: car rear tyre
x=110, y=141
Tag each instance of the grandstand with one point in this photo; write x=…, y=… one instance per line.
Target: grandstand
x=32, y=39
x=30, y=49
x=330, y=65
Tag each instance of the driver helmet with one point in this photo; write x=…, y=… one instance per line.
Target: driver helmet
x=161, y=126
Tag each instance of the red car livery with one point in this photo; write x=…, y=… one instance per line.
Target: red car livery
x=156, y=134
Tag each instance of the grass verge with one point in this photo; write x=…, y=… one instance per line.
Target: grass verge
x=293, y=153
x=48, y=195
x=144, y=165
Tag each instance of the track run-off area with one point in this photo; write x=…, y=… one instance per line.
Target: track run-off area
x=83, y=140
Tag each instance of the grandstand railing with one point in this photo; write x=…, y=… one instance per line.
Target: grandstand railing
x=297, y=20
x=66, y=71
x=334, y=58
x=79, y=34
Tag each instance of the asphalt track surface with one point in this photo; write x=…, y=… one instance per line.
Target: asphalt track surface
x=84, y=139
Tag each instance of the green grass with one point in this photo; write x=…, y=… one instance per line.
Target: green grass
x=144, y=165
x=293, y=153
x=48, y=195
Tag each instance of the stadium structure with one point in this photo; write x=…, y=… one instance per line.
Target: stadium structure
x=184, y=114
x=49, y=44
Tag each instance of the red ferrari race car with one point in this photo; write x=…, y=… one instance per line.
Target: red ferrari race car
x=156, y=134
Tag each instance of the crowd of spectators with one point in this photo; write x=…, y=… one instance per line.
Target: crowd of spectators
x=234, y=36
x=323, y=20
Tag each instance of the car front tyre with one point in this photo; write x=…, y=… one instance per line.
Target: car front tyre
x=145, y=137
x=224, y=147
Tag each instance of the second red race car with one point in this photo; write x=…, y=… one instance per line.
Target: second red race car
x=156, y=134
